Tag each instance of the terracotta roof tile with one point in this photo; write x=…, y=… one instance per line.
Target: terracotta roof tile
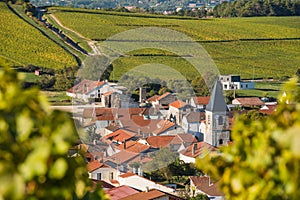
x=163, y=126
x=163, y=95
x=94, y=165
x=127, y=174
x=184, y=138
x=178, y=104
x=123, y=156
x=153, y=98
x=159, y=141
x=203, y=100
x=200, y=148
x=133, y=146
x=204, y=184
x=119, y=135
x=248, y=101
x=152, y=194
x=120, y=192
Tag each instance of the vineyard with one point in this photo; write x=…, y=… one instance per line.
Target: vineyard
x=21, y=44
x=263, y=47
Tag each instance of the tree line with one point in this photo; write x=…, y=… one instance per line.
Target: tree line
x=251, y=8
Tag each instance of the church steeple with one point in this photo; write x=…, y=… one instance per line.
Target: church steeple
x=217, y=101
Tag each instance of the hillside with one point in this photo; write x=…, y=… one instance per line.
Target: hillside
x=267, y=46
x=22, y=44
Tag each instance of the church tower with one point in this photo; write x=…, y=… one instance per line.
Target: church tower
x=217, y=123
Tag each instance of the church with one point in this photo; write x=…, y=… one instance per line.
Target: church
x=215, y=127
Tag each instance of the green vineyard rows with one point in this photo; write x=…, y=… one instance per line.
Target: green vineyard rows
x=21, y=44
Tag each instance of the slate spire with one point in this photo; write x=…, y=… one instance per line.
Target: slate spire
x=217, y=101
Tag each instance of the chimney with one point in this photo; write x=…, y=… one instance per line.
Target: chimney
x=194, y=148
x=142, y=94
x=124, y=143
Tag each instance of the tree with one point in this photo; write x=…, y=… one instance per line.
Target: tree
x=264, y=160
x=34, y=144
x=161, y=160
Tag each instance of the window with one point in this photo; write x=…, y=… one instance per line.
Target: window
x=246, y=86
x=220, y=120
x=220, y=141
x=111, y=176
x=98, y=176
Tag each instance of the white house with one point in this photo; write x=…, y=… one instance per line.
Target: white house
x=200, y=102
x=191, y=122
x=233, y=82
x=100, y=171
x=196, y=150
x=177, y=109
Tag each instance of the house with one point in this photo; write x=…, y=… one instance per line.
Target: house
x=164, y=100
x=151, y=113
x=176, y=111
x=191, y=123
x=120, y=192
x=88, y=89
x=121, y=160
x=215, y=127
x=166, y=127
x=248, y=102
x=101, y=171
x=159, y=141
x=134, y=146
x=141, y=183
x=200, y=102
x=119, y=136
x=181, y=141
x=268, y=109
x=196, y=150
x=233, y=82
x=204, y=185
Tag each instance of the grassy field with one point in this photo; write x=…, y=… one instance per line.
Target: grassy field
x=22, y=44
x=264, y=88
x=267, y=46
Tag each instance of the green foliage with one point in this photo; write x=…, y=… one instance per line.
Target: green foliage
x=252, y=8
x=22, y=44
x=264, y=160
x=34, y=144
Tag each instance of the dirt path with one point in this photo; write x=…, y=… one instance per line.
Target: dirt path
x=91, y=43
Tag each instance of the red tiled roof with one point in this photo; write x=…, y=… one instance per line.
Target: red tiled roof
x=127, y=174
x=163, y=95
x=152, y=194
x=92, y=166
x=200, y=148
x=153, y=98
x=108, y=93
x=248, y=101
x=120, y=192
x=123, y=156
x=203, y=183
x=163, y=125
x=134, y=146
x=85, y=86
x=185, y=138
x=104, y=184
x=178, y=104
x=203, y=100
x=119, y=135
x=159, y=141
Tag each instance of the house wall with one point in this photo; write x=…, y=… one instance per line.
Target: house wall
x=107, y=174
x=186, y=159
x=247, y=85
x=167, y=100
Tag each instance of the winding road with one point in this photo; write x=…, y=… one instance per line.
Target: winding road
x=91, y=43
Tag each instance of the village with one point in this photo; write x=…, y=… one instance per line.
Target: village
x=122, y=137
